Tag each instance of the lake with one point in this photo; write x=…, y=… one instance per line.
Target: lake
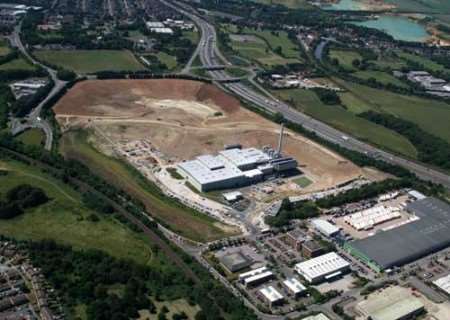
x=400, y=28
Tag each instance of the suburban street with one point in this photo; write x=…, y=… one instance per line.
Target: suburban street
x=210, y=55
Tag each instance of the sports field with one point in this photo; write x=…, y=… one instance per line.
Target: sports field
x=91, y=61
x=66, y=220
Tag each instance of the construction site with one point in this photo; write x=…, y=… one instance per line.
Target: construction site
x=171, y=129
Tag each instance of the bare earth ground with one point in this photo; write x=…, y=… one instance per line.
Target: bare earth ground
x=188, y=118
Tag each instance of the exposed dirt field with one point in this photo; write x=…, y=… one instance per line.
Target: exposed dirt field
x=187, y=118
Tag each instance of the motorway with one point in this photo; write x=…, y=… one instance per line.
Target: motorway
x=210, y=55
x=33, y=119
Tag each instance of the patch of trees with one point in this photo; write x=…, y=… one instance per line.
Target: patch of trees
x=365, y=192
x=431, y=149
x=20, y=198
x=6, y=99
x=290, y=211
x=23, y=106
x=66, y=75
x=328, y=97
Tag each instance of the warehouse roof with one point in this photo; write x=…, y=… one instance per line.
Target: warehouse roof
x=443, y=283
x=294, y=285
x=322, y=265
x=325, y=227
x=319, y=316
x=271, y=294
x=430, y=233
x=245, y=157
x=203, y=174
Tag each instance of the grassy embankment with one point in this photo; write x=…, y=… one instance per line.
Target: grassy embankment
x=90, y=61
x=34, y=137
x=180, y=219
x=66, y=220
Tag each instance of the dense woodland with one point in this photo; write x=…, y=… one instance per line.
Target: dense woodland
x=20, y=198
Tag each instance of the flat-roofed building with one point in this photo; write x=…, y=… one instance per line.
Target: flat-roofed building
x=324, y=227
x=312, y=249
x=245, y=159
x=296, y=238
x=256, y=276
x=443, y=284
x=319, y=316
x=322, y=268
x=235, y=261
x=394, y=303
x=271, y=296
x=294, y=287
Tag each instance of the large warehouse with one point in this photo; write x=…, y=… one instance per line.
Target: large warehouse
x=235, y=167
x=322, y=268
x=409, y=242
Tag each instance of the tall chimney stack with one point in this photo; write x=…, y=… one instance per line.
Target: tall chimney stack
x=280, y=140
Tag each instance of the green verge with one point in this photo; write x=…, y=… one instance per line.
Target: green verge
x=180, y=219
x=65, y=219
x=33, y=137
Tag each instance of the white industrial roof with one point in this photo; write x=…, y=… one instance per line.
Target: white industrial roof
x=258, y=277
x=325, y=227
x=154, y=24
x=416, y=194
x=319, y=316
x=294, y=285
x=201, y=173
x=161, y=30
x=211, y=162
x=253, y=173
x=321, y=266
x=271, y=294
x=252, y=272
x=243, y=157
x=232, y=196
x=443, y=283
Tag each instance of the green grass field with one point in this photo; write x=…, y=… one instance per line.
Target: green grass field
x=308, y=102
x=33, y=137
x=383, y=77
x=90, y=61
x=4, y=48
x=182, y=220
x=66, y=220
x=17, y=64
x=168, y=60
x=176, y=306
x=427, y=63
x=302, y=182
x=431, y=115
x=345, y=58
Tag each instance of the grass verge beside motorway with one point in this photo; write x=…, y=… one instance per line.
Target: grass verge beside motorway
x=180, y=219
x=91, y=61
x=344, y=120
x=66, y=220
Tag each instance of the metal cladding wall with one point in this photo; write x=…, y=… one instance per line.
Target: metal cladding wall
x=407, y=243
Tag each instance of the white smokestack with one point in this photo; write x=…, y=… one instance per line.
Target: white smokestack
x=280, y=140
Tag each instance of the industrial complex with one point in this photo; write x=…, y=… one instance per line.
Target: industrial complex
x=235, y=167
x=429, y=233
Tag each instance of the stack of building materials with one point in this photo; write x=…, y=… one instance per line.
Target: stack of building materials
x=367, y=219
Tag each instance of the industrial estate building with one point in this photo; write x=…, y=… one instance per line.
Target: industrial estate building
x=256, y=276
x=395, y=247
x=294, y=287
x=325, y=228
x=443, y=284
x=235, y=261
x=393, y=303
x=322, y=268
x=271, y=296
x=235, y=167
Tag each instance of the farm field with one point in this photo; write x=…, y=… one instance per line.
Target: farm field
x=427, y=63
x=66, y=220
x=308, y=102
x=431, y=115
x=4, y=49
x=345, y=57
x=183, y=119
x=383, y=77
x=168, y=60
x=34, y=137
x=91, y=61
x=17, y=64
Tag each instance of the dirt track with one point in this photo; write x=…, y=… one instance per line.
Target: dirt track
x=187, y=118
